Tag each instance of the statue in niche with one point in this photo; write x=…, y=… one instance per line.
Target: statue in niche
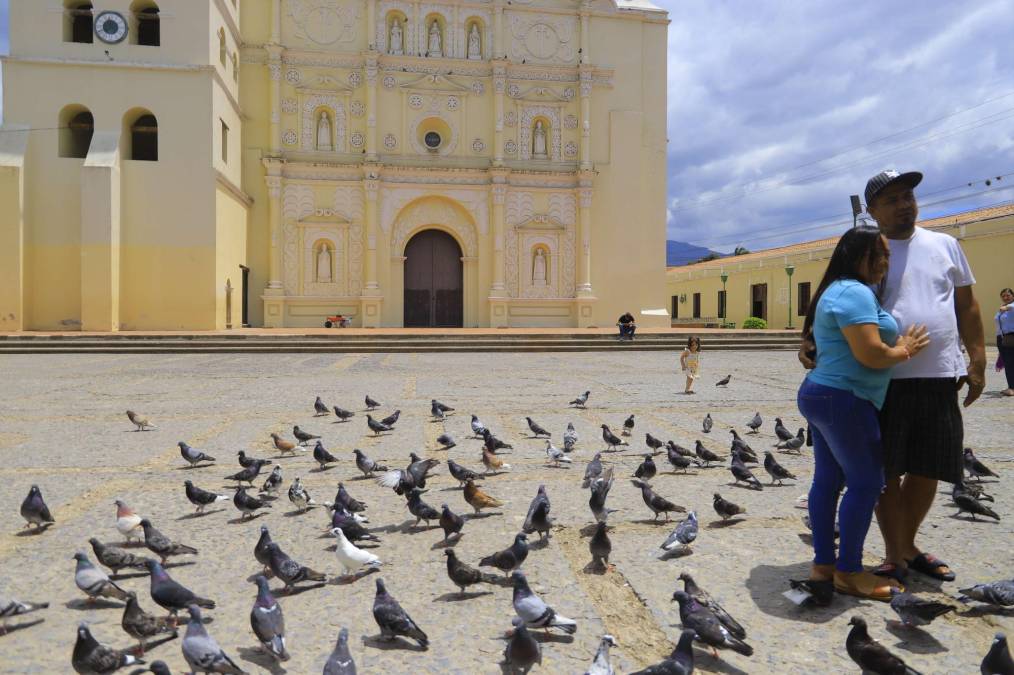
x=434, y=46
x=539, y=141
x=324, y=265
x=474, y=44
x=324, y=132
x=539, y=268
x=396, y=47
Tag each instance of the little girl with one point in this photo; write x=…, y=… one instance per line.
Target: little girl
x=690, y=362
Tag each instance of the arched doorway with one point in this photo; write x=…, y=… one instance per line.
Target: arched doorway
x=433, y=281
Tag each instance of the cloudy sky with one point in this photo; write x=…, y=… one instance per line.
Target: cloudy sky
x=779, y=110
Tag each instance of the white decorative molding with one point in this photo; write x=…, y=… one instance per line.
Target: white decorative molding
x=390, y=141
x=527, y=117
x=510, y=118
x=389, y=81
x=449, y=144
x=570, y=150
x=384, y=10
x=554, y=231
x=275, y=72
x=510, y=148
x=357, y=140
x=478, y=146
x=453, y=102
x=430, y=209
x=289, y=105
x=570, y=122
x=542, y=38
x=312, y=101
x=478, y=88
x=474, y=202
x=292, y=76
x=355, y=79
x=324, y=22
x=357, y=108
x=289, y=137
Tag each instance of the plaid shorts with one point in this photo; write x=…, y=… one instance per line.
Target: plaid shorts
x=922, y=430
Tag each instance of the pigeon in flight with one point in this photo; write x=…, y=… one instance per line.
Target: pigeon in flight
x=169, y=594
x=534, y=611
x=462, y=575
x=537, y=519
x=140, y=625
x=654, y=502
x=478, y=499
x=393, y=620
x=303, y=437
x=628, y=426
x=601, y=664
x=267, y=621
x=916, y=611
x=974, y=467
x=371, y=404
x=320, y=408
x=522, y=650
x=93, y=582
x=683, y=535
x=600, y=546
x=161, y=545
x=247, y=504
x=128, y=523
x=998, y=660
x=707, y=424
x=724, y=381
x=322, y=456
x=999, y=593
x=555, y=455
x=776, y=470
x=351, y=557
x=509, y=559
x=599, y=491
x=299, y=497
x=646, y=470
x=869, y=654
x=704, y=598
x=140, y=422
x=581, y=401
x=340, y=662
x=200, y=650
x=193, y=455
x=741, y=473
x=367, y=465
x=34, y=510
x=725, y=508
x=89, y=656
x=708, y=627
x=536, y=429
x=755, y=423
x=450, y=522
x=569, y=438
x=342, y=414
x=283, y=446
x=612, y=440
x=377, y=427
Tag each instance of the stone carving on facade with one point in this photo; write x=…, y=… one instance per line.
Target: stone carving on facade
x=292, y=76
x=357, y=140
x=389, y=81
x=312, y=102
x=527, y=124
x=447, y=145
x=478, y=88
x=538, y=266
x=475, y=203
x=510, y=118
x=392, y=11
x=415, y=101
x=357, y=108
x=324, y=132
x=390, y=141
x=542, y=38
x=434, y=40
x=539, y=141
x=355, y=79
x=527, y=234
x=289, y=105
x=570, y=149
x=474, y=44
x=396, y=45
x=510, y=148
x=324, y=22
x=324, y=260
x=289, y=137
x=452, y=102
x=570, y=122
x=513, y=90
x=275, y=72
x=434, y=210
x=478, y=146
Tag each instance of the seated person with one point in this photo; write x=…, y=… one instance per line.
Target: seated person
x=343, y=321
x=627, y=326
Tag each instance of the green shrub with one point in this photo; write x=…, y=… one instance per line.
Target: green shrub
x=754, y=322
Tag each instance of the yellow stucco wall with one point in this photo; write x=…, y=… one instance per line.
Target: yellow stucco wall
x=986, y=236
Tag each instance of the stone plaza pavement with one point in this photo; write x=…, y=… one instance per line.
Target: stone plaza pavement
x=62, y=426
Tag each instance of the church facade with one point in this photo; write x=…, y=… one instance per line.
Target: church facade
x=207, y=164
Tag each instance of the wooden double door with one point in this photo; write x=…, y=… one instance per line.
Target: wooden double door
x=433, y=281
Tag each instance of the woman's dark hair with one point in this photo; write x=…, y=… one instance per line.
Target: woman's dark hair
x=692, y=339
x=855, y=247
x=1006, y=290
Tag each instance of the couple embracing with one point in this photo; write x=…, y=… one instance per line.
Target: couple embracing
x=883, y=341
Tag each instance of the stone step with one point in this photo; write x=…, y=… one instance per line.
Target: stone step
x=374, y=337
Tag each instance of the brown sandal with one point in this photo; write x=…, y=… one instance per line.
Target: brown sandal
x=865, y=585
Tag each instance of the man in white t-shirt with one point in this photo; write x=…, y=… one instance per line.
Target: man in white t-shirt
x=929, y=283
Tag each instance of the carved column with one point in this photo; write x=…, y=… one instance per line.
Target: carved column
x=274, y=96
x=499, y=51
x=371, y=25
x=498, y=193
x=585, y=32
x=274, y=304
x=371, y=299
x=584, y=286
x=371, y=106
x=586, y=91
x=499, y=85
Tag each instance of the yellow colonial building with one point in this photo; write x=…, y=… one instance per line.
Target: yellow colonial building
x=201, y=164
x=759, y=284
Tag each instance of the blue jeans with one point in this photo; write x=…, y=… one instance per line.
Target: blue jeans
x=846, y=453
x=627, y=330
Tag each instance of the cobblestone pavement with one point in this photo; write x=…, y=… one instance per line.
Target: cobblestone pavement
x=62, y=426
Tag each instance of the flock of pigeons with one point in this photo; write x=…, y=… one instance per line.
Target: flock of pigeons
x=703, y=618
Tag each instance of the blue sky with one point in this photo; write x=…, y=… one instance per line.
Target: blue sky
x=779, y=110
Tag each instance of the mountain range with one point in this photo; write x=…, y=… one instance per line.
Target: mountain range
x=681, y=253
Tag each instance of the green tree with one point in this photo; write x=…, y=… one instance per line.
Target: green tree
x=740, y=251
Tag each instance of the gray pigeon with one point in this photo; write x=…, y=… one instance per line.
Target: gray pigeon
x=342, y=414
x=341, y=662
x=90, y=657
x=612, y=440
x=522, y=650
x=554, y=455
x=288, y=570
x=600, y=546
x=34, y=510
x=593, y=470
x=246, y=504
x=706, y=455
x=115, y=558
x=200, y=650
x=569, y=438
x=371, y=404
x=741, y=473
x=367, y=465
x=708, y=627
x=708, y=423
x=477, y=426
x=420, y=509
x=755, y=423
x=322, y=456
x=437, y=414
x=319, y=408
x=391, y=419
x=683, y=535
x=974, y=467
x=599, y=492
x=93, y=582
x=628, y=426
x=462, y=575
x=534, y=611
x=997, y=660
x=171, y=595
x=680, y=662
x=656, y=503
x=704, y=598
x=725, y=508
x=303, y=437
x=915, y=611
x=536, y=429
x=446, y=441
x=537, y=519
x=793, y=443
x=656, y=444
x=247, y=475
x=267, y=621
x=724, y=381
x=192, y=455
x=393, y=620
x=377, y=427
x=511, y=557
x=201, y=498
x=581, y=401
x=870, y=655
x=246, y=461
x=775, y=470
x=261, y=552
x=161, y=545
x=450, y=522
x=999, y=593
x=461, y=474
x=141, y=626
x=10, y=607
x=966, y=503
x=781, y=432
x=646, y=470
x=600, y=664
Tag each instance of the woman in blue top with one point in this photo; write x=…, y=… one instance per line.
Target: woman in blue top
x=857, y=343
x=1005, y=330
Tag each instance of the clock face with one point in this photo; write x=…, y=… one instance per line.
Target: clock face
x=111, y=27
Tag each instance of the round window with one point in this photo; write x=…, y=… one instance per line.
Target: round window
x=432, y=140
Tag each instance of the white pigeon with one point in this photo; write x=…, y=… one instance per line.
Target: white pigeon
x=556, y=455
x=600, y=664
x=477, y=426
x=352, y=558
x=569, y=437
x=128, y=523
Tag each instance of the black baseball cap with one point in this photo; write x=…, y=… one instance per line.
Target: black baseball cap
x=889, y=177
